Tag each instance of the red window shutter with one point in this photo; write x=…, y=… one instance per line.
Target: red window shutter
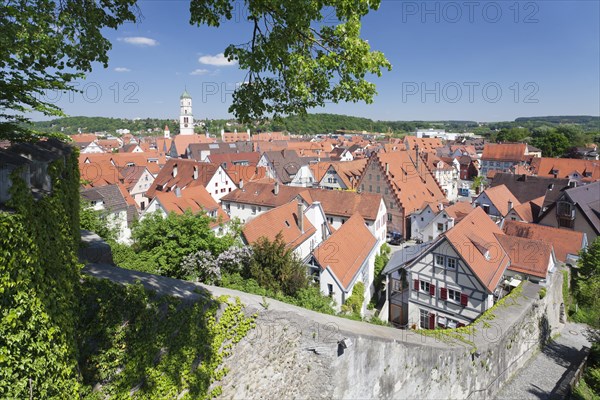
x=416, y=284
x=431, y=321
x=443, y=293
x=464, y=299
x=432, y=290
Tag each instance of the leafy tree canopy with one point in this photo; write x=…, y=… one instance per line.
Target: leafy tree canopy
x=46, y=44
x=294, y=59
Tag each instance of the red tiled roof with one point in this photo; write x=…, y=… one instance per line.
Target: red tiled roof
x=544, y=166
x=527, y=256
x=529, y=210
x=194, y=199
x=504, y=152
x=413, y=187
x=564, y=241
x=282, y=219
x=184, y=177
x=459, y=210
x=230, y=158
x=346, y=250
x=182, y=142
x=472, y=238
x=425, y=144
x=334, y=202
x=246, y=173
x=500, y=196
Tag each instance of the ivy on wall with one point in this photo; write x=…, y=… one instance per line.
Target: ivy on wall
x=39, y=278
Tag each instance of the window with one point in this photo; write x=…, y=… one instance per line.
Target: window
x=386, y=191
x=424, y=319
x=486, y=208
x=370, y=188
x=378, y=189
x=389, y=218
x=451, y=263
x=440, y=227
x=253, y=210
x=453, y=295
x=370, y=177
x=424, y=286
x=330, y=290
x=362, y=187
x=439, y=260
x=378, y=177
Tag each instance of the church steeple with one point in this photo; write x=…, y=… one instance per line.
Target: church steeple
x=186, y=119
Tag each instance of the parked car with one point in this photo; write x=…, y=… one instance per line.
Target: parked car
x=396, y=239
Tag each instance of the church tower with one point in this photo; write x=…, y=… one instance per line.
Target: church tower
x=186, y=120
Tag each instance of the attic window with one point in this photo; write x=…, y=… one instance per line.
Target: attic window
x=287, y=224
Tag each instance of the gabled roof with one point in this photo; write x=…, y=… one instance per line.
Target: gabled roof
x=563, y=167
x=83, y=138
x=346, y=250
x=194, y=199
x=230, y=137
x=334, y=202
x=514, y=152
x=282, y=219
x=181, y=142
x=348, y=171
x=110, y=194
x=246, y=173
x=587, y=198
x=500, y=196
x=196, y=150
x=413, y=187
x=251, y=158
x=529, y=210
x=428, y=145
x=166, y=179
x=528, y=256
x=131, y=175
x=145, y=159
x=473, y=238
x=286, y=163
x=459, y=210
x=526, y=188
x=564, y=241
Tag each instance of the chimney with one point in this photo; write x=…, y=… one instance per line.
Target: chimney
x=235, y=131
x=440, y=206
x=300, y=216
x=276, y=188
x=195, y=172
x=207, y=134
x=387, y=168
x=222, y=133
x=174, y=170
x=417, y=157
x=241, y=184
x=248, y=132
x=177, y=192
x=510, y=205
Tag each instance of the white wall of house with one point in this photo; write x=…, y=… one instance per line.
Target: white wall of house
x=346, y=156
x=420, y=222
x=460, y=279
x=331, y=180
x=118, y=220
x=303, y=177
x=484, y=201
x=448, y=180
x=92, y=148
x=437, y=225
x=138, y=191
x=220, y=184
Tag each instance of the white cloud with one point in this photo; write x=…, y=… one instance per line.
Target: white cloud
x=218, y=60
x=199, y=71
x=139, y=41
x=122, y=69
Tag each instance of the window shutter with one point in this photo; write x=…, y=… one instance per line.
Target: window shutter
x=432, y=290
x=460, y=325
x=464, y=299
x=443, y=293
x=431, y=321
x=416, y=285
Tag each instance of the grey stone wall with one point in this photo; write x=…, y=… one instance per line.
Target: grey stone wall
x=294, y=353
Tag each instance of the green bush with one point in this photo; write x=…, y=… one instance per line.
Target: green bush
x=353, y=305
x=542, y=293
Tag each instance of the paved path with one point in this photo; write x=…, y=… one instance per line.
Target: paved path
x=546, y=374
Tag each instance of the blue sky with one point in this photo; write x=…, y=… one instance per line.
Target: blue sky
x=483, y=61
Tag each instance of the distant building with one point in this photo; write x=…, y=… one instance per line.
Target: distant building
x=186, y=119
